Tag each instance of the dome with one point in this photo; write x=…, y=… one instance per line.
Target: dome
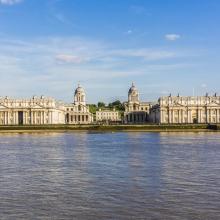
x=80, y=95
x=133, y=88
x=79, y=89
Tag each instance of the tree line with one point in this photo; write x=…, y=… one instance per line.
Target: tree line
x=117, y=105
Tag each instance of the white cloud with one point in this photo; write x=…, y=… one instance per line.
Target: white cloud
x=10, y=2
x=172, y=37
x=66, y=58
x=37, y=65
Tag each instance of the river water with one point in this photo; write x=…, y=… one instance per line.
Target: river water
x=110, y=176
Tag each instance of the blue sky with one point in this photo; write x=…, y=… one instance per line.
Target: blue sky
x=164, y=46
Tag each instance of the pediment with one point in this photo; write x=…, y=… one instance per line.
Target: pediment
x=37, y=106
x=214, y=104
x=2, y=106
x=177, y=104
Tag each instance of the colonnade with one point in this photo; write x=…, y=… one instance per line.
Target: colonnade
x=15, y=117
x=190, y=115
x=135, y=117
x=78, y=118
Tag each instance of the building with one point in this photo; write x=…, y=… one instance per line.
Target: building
x=41, y=111
x=78, y=112
x=136, y=112
x=34, y=111
x=180, y=110
x=107, y=115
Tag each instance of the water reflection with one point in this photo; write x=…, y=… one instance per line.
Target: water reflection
x=110, y=176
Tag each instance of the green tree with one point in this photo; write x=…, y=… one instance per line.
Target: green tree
x=92, y=108
x=117, y=105
x=101, y=104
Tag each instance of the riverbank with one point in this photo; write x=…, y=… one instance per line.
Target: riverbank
x=110, y=128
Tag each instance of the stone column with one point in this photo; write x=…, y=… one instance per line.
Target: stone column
x=51, y=115
x=41, y=117
x=161, y=116
x=33, y=117
x=217, y=116
x=182, y=116
x=14, y=117
x=5, y=118
x=169, y=116
x=188, y=116
x=179, y=116
x=24, y=117
x=173, y=116
x=199, y=115
x=206, y=115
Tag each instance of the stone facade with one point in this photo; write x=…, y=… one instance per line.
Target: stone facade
x=168, y=110
x=41, y=111
x=31, y=111
x=107, y=115
x=180, y=110
x=136, y=112
x=78, y=111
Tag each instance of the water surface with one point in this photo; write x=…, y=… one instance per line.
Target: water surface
x=110, y=176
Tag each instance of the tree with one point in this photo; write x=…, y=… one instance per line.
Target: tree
x=117, y=105
x=101, y=104
x=92, y=108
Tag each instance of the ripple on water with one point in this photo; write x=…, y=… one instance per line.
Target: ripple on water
x=110, y=176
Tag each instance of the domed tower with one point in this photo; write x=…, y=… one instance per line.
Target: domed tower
x=80, y=96
x=133, y=94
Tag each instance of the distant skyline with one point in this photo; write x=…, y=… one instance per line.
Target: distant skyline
x=164, y=46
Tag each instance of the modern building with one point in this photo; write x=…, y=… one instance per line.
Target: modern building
x=136, y=112
x=107, y=115
x=180, y=110
x=31, y=111
x=78, y=112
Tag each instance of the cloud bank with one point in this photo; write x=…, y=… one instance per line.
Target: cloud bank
x=10, y=2
x=52, y=65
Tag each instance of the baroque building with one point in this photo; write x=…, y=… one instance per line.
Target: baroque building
x=31, y=111
x=180, y=110
x=136, y=112
x=107, y=115
x=78, y=112
x=42, y=111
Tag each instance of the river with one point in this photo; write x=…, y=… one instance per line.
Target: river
x=124, y=175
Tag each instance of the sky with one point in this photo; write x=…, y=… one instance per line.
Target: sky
x=47, y=47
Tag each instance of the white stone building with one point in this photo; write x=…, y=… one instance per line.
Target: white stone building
x=107, y=115
x=136, y=112
x=180, y=110
x=34, y=111
x=78, y=112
